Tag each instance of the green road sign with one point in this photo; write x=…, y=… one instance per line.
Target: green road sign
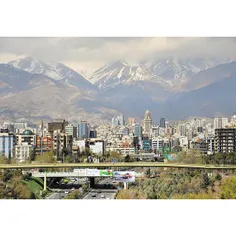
x=106, y=173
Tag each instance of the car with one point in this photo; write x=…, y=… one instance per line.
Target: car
x=72, y=189
x=102, y=196
x=99, y=191
x=66, y=192
x=94, y=195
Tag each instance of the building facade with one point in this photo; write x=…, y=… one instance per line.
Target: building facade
x=26, y=137
x=22, y=152
x=162, y=122
x=6, y=145
x=137, y=130
x=83, y=130
x=147, y=123
x=71, y=130
x=225, y=140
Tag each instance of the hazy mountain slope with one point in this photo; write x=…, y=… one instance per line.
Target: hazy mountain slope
x=210, y=100
x=212, y=75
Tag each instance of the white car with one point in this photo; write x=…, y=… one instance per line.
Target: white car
x=102, y=196
x=66, y=192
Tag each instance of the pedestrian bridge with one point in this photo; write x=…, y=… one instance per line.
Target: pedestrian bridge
x=119, y=164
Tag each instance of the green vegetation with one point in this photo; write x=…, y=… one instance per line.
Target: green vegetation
x=4, y=160
x=228, y=188
x=47, y=157
x=15, y=185
x=85, y=188
x=74, y=195
x=181, y=184
x=130, y=194
x=194, y=157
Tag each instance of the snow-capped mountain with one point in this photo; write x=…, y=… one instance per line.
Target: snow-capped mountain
x=179, y=71
x=56, y=71
x=169, y=73
x=121, y=72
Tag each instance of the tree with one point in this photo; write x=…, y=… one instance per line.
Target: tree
x=47, y=157
x=85, y=188
x=130, y=194
x=191, y=157
x=69, y=159
x=74, y=195
x=87, y=151
x=3, y=159
x=205, y=181
x=148, y=172
x=201, y=195
x=218, y=177
x=127, y=158
x=228, y=188
x=31, y=155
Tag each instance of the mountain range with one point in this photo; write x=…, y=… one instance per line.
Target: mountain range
x=168, y=87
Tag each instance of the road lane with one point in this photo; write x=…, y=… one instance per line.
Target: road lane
x=100, y=190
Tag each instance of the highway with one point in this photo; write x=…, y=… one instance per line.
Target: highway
x=101, y=191
x=110, y=165
x=60, y=193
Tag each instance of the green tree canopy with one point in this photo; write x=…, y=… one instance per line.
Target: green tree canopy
x=47, y=157
x=228, y=188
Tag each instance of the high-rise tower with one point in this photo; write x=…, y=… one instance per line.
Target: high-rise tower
x=147, y=122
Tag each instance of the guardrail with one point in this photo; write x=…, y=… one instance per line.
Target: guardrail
x=111, y=165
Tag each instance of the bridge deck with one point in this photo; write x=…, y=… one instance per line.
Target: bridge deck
x=110, y=165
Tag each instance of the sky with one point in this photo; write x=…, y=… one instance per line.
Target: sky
x=89, y=54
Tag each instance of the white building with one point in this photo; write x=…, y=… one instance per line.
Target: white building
x=224, y=122
x=161, y=131
x=22, y=152
x=155, y=131
x=217, y=123
x=125, y=151
x=97, y=146
x=233, y=120
x=27, y=136
x=81, y=144
x=183, y=142
x=182, y=130
x=157, y=143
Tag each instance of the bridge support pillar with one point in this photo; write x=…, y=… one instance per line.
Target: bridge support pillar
x=92, y=181
x=126, y=185
x=45, y=181
x=165, y=162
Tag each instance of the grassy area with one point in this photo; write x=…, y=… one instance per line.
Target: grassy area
x=35, y=185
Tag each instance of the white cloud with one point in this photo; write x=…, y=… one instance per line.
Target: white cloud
x=91, y=53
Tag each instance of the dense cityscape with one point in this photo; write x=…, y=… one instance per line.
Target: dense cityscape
x=22, y=141
x=193, y=141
